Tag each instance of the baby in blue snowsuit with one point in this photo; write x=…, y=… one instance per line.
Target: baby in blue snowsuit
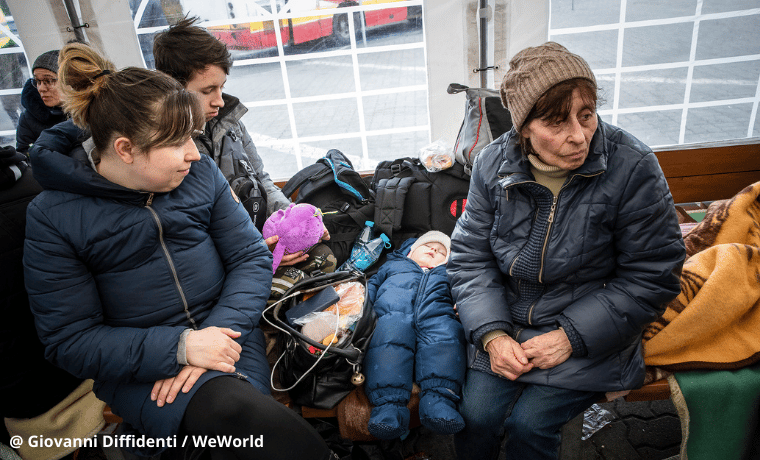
x=418, y=338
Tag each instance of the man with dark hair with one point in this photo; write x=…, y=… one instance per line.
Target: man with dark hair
x=201, y=63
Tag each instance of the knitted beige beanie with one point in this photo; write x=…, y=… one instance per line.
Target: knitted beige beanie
x=533, y=71
x=433, y=236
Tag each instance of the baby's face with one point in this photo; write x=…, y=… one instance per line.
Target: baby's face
x=429, y=255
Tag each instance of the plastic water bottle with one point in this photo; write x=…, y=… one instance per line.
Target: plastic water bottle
x=365, y=236
x=363, y=255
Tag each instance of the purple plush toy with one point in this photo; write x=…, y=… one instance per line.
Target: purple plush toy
x=299, y=227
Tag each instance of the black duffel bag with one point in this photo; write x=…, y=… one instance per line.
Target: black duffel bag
x=313, y=374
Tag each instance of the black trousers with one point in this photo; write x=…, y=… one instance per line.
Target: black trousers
x=232, y=408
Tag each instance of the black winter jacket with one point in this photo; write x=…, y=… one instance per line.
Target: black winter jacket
x=601, y=260
x=36, y=118
x=25, y=385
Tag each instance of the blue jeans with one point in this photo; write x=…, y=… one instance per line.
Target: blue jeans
x=530, y=415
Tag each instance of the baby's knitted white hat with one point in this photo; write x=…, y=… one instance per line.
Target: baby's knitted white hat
x=433, y=236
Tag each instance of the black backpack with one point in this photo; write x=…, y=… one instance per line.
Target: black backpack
x=238, y=170
x=410, y=200
x=332, y=185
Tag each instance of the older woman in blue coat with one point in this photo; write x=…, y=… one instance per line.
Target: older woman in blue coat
x=568, y=246
x=145, y=273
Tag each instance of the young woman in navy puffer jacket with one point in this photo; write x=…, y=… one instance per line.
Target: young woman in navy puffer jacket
x=146, y=274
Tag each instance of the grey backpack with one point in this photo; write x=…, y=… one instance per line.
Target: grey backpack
x=485, y=120
x=238, y=170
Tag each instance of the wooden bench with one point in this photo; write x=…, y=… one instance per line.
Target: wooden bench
x=710, y=172
x=700, y=173
x=694, y=174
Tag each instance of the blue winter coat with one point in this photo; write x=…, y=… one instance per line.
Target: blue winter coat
x=36, y=118
x=115, y=275
x=417, y=337
x=601, y=260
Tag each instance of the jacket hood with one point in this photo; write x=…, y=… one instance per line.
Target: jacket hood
x=228, y=116
x=59, y=162
x=403, y=250
x=514, y=162
x=32, y=102
x=232, y=106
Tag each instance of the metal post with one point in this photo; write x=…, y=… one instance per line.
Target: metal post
x=483, y=44
x=76, y=24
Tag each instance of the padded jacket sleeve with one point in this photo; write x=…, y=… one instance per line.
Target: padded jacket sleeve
x=476, y=280
x=650, y=255
x=24, y=133
x=247, y=262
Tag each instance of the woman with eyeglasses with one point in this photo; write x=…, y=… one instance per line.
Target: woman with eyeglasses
x=42, y=101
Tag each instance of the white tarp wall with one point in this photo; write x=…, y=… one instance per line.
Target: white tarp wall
x=44, y=25
x=451, y=28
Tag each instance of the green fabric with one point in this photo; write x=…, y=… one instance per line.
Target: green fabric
x=723, y=408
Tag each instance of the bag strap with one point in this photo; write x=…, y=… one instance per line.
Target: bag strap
x=455, y=88
x=301, y=177
x=389, y=203
x=342, y=184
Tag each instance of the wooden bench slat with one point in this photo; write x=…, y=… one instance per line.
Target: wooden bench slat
x=654, y=391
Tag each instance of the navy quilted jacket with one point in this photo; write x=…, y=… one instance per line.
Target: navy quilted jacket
x=601, y=260
x=115, y=275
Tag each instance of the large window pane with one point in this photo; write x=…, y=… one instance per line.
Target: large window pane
x=598, y=48
x=14, y=71
x=723, y=6
x=654, y=87
x=269, y=123
x=319, y=118
x=336, y=75
x=642, y=10
x=715, y=40
x=395, y=110
x=653, y=128
x=319, y=74
x=578, y=13
x=725, y=81
x=256, y=83
x=392, y=69
x=665, y=83
x=724, y=122
x=657, y=44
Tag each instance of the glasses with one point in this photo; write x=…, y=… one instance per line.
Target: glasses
x=49, y=82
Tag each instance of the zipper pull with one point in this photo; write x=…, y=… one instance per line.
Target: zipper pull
x=150, y=200
x=554, y=208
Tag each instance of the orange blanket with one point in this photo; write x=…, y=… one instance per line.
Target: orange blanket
x=714, y=323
